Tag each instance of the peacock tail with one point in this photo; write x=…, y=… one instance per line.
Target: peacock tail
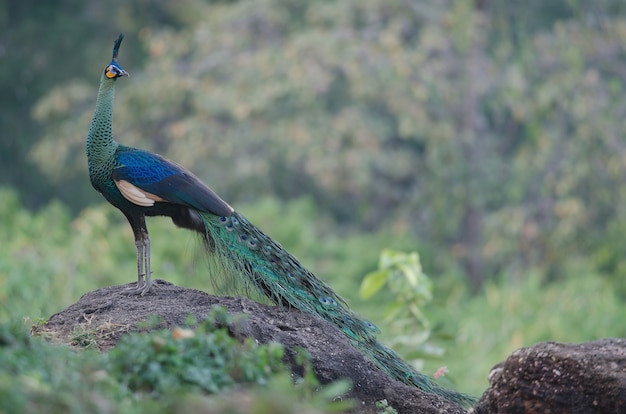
x=237, y=247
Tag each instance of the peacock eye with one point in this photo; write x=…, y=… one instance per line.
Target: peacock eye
x=113, y=71
x=110, y=72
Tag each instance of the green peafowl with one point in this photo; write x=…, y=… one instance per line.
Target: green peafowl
x=140, y=184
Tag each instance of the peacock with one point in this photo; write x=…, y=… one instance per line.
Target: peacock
x=140, y=183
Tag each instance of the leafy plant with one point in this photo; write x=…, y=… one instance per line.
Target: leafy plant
x=383, y=407
x=411, y=290
x=167, y=371
x=205, y=359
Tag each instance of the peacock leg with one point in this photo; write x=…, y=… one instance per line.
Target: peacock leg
x=142, y=241
x=146, y=267
x=140, y=263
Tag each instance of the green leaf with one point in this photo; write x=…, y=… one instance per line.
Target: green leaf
x=373, y=282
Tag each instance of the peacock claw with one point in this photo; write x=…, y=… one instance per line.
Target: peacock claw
x=143, y=286
x=136, y=290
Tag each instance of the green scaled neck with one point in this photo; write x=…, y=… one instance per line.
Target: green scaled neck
x=100, y=143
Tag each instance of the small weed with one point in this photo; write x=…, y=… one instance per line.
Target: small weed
x=383, y=407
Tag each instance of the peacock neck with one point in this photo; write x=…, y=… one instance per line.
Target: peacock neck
x=100, y=143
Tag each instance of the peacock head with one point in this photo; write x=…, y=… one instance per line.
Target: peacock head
x=113, y=69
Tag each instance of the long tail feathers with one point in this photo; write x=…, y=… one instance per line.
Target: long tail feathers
x=237, y=247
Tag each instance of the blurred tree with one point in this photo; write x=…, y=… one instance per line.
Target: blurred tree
x=44, y=44
x=500, y=143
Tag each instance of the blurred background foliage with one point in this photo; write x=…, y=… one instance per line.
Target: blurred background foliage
x=487, y=135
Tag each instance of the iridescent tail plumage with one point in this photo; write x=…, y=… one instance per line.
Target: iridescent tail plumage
x=237, y=247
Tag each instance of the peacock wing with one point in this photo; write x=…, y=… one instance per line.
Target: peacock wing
x=145, y=178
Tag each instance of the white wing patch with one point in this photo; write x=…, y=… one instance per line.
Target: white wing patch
x=136, y=195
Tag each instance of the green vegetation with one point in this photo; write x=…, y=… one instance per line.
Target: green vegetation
x=411, y=290
x=465, y=332
x=509, y=315
x=161, y=372
x=486, y=136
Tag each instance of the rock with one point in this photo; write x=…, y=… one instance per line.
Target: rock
x=557, y=378
x=113, y=313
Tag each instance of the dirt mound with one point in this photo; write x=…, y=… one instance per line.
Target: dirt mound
x=106, y=314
